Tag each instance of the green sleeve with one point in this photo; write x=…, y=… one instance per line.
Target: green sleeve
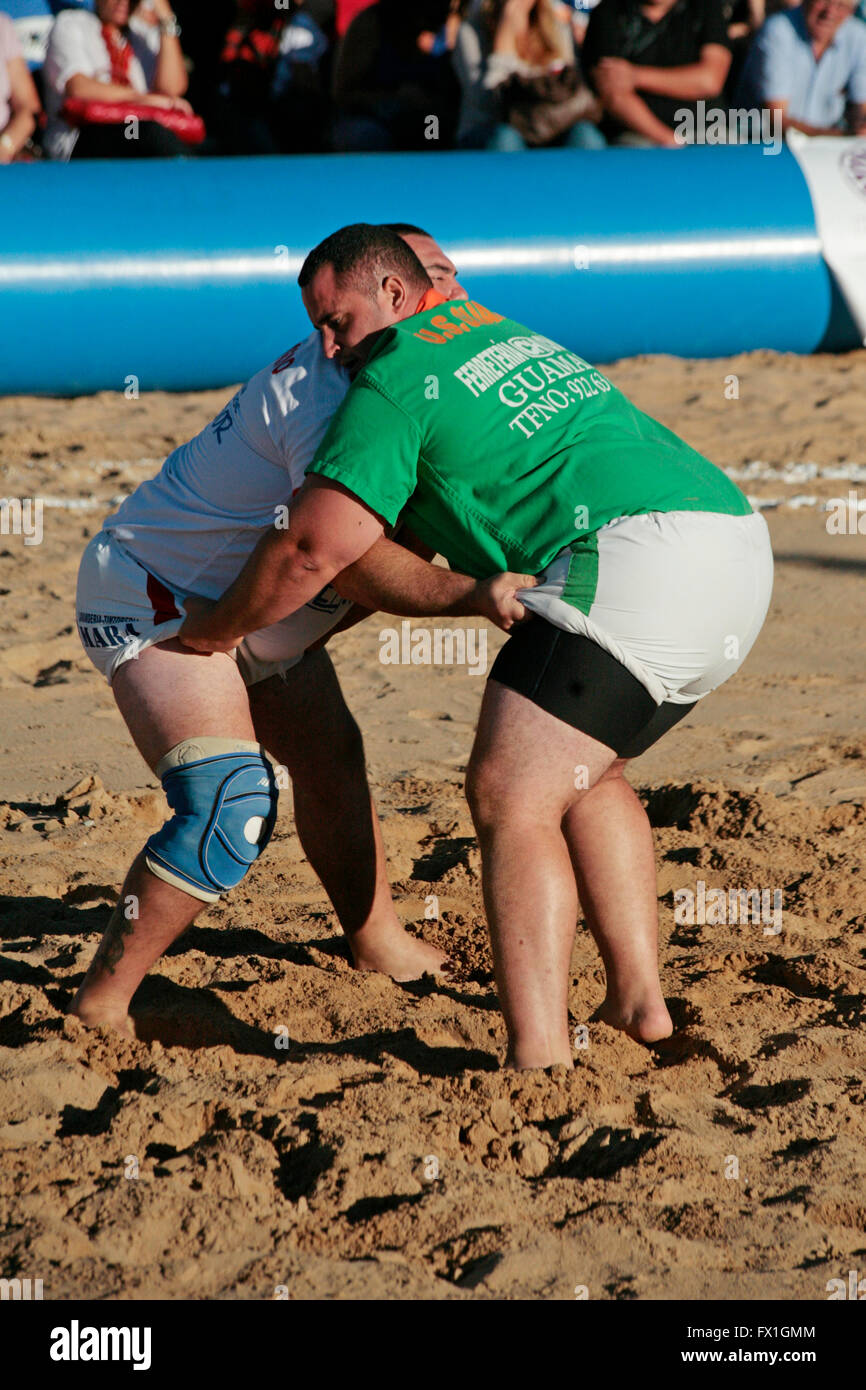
x=372, y=448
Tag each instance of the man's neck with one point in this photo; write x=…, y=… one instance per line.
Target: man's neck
x=820, y=46
x=430, y=299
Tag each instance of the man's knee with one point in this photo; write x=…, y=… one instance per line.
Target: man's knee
x=494, y=796
x=224, y=799
x=611, y=773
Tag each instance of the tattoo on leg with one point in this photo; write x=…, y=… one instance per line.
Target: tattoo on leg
x=109, y=952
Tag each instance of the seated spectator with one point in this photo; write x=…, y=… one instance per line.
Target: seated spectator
x=19, y=102
x=273, y=98
x=521, y=81
x=745, y=18
x=393, y=89
x=651, y=62
x=113, y=56
x=809, y=64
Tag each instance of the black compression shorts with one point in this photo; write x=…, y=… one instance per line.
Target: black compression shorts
x=574, y=679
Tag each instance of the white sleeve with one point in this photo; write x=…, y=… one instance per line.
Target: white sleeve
x=74, y=45
x=499, y=68
x=310, y=391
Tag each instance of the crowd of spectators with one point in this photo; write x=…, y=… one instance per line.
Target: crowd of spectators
x=130, y=78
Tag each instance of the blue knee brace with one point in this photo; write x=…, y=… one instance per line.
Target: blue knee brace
x=225, y=807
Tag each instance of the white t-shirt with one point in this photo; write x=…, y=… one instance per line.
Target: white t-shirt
x=194, y=525
x=76, y=45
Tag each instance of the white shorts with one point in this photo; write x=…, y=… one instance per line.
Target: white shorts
x=122, y=609
x=678, y=598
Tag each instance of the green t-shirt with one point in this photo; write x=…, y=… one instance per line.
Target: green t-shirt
x=500, y=448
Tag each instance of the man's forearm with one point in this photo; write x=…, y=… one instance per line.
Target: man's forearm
x=276, y=580
x=779, y=110
x=632, y=111
x=329, y=528
x=330, y=531
x=689, y=81
x=393, y=580
x=805, y=128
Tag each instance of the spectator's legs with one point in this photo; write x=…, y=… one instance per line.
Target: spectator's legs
x=505, y=138
x=583, y=136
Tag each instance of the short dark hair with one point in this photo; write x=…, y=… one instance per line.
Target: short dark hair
x=406, y=229
x=364, y=254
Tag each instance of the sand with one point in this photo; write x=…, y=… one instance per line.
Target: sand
x=384, y=1152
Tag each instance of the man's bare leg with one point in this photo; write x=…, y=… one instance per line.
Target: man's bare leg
x=130, y=946
x=305, y=725
x=521, y=783
x=611, y=844
x=168, y=694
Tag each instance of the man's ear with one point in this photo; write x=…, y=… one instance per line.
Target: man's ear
x=396, y=294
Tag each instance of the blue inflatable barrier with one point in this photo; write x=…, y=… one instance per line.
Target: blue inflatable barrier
x=182, y=273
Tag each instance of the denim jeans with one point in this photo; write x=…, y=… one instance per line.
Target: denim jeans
x=583, y=135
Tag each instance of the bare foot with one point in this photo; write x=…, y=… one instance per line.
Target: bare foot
x=646, y=1023
x=95, y=1015
x=402, y=956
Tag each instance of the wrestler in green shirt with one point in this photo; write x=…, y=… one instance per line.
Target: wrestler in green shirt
x=500, y=448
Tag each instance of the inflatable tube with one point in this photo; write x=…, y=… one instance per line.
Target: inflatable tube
x=182, y=273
